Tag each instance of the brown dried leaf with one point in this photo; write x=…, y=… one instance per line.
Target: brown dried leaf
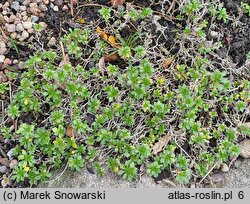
x=167, y=62
x=69, y=131
x=116, y=3
x=158, y=146
x=111, y=58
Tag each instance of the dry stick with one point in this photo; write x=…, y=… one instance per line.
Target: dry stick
x=64, y=56
x=209, y=171
x=71, y=8
x=3, y=33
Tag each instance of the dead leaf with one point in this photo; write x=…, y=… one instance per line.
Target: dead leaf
x=167, y=62
x=69, y=131
x=79, y=20
x=158, y=146
x=110, y=39
x=111, y=57
x=116, y=3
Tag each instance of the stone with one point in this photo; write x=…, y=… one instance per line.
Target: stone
x=52, y=42
x=35, y=11
x=30, y=30
x=13, y=35
x=245, y=148
x=46, y=1
x=43, y=25
x=23, y=8
x=58, y=2
x=224, y=168
x=3, y=48
x=43, y=7
x=3, y=169
x=25, y=34
x=13, y=163
x=65, y=8
x=12, y=18
x=15, y=61
x=2, y=57
x=56, y=8
x=10, y=28
x=15, y=5
x=6, y=19
x=19, y=27
x=33, y=5
x=5, y=12
x=24, y=13
x=26, y=2
x=34, y=18
x=27, y=25
x=7, y=61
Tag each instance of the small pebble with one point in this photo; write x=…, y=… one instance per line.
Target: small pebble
x=58, y=2
x=25, y=34
x=214, y=34
x=27, y=25
x=52, y=42
x=2, y=57
x=3, y=48
x=15, y=5
x=13, y=35
x=12, y=18
x=13, y=163
x=3, y=169
x=15, y=61
x=6, y=19
x=7, y=61
x=23, y=8
x=224, y=168
x=30, y=30
x=65, y=8
x=19, y=27
x=34, y=19
x=43, y=7
x=56, y=8
x=10, y=28
x=43, y=25
x=46, y=1
x=5, y=12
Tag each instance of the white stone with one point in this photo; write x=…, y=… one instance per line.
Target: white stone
x=10, y=28
x=25, y=34
x=52, y=42
x=2, y=58
x=27, y=25
x=19, y=27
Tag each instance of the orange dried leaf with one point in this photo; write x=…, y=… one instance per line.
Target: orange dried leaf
x=111, y=40
x=116, y=3
x=69, y=131
x=158, y=146
x=79, y=20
